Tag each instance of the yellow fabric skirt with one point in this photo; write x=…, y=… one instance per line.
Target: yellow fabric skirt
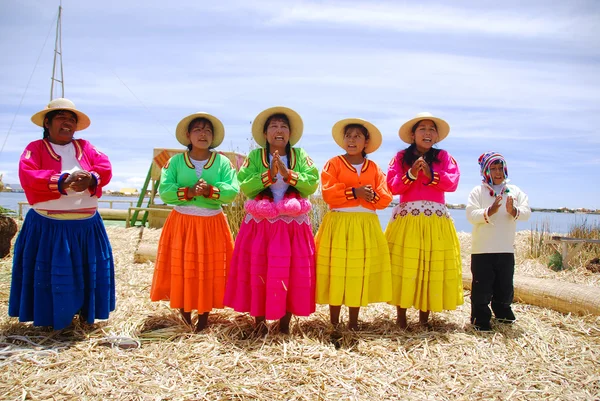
x=426, y=263
x=353, y=264
x=192, y=262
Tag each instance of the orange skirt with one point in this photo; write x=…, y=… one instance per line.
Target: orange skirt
x=192, y=262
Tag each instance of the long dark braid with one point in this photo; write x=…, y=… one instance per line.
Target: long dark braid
x=410, y=153
x=288, y=151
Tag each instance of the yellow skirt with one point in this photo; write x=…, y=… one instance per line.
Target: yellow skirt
x=353, y=264
x=426, y=263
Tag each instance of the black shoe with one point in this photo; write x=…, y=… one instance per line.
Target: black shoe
x=503, y=313
x=482, y=327
x=507, y=316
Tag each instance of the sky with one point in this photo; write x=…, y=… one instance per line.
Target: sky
x=519, y=78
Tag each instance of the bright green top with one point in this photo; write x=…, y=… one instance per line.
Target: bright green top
x=179, y=173
x=255, y=176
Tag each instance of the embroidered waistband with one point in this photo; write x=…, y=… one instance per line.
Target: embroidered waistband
x=78, y=214
x=427, y=208
x=198, y=211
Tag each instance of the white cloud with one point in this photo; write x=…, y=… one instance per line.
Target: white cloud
x=428, y=18
x=518, y=77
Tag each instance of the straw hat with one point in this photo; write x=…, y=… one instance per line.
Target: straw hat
x=405, y=131
x=218, y=129
x=296, y=124
x=374, y=134
x=83, y=121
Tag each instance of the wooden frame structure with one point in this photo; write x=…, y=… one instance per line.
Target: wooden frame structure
x=561, y=244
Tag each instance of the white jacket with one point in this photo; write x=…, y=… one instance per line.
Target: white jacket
x=496, y=233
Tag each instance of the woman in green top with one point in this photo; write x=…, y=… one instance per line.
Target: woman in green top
x=196, y=244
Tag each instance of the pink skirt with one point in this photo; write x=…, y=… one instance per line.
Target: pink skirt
x=273, y=268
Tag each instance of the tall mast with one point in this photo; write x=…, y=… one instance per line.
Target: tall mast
x=58, y=56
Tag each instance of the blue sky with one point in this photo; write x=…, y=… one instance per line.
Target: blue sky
x=520, y=78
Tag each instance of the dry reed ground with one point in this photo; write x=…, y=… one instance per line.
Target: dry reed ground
x=144, y=351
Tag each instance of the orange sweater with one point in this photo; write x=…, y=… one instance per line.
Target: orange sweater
x=339, y=177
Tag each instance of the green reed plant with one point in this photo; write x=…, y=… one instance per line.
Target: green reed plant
x=585, y=230
x=235, y=213
x=317, y=212
x=7, y=212
x=538, y=240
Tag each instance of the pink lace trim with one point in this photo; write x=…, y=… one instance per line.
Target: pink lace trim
x=266, y=209
x=302, y=219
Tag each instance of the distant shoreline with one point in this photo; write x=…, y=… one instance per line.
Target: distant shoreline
x=449, y=206
x=533, y=209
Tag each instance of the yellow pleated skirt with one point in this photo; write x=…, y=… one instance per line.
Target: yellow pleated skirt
x=426, y=263
x=353, y=264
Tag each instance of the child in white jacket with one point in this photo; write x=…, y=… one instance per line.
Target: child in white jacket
x=494, y=208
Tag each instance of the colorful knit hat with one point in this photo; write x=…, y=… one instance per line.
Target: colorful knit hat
x=485, y=162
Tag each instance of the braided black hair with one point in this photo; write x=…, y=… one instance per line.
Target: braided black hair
x=288, y=150
x=410, y=153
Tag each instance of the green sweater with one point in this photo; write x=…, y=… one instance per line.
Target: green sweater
x=179, y=173
x=255, y=175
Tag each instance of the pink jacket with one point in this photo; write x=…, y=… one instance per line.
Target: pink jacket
x=445, y=179
x=40, y=169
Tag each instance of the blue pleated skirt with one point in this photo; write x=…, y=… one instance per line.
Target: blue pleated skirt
x=62, y=268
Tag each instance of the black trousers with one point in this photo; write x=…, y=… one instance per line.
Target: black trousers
x=492, y=282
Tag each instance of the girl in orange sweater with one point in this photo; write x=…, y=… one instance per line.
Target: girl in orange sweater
x=353, y=263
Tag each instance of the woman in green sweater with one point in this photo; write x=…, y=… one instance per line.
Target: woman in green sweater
x=196, y=244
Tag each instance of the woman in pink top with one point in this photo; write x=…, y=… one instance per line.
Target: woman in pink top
x=63, y=263
x=424, y=247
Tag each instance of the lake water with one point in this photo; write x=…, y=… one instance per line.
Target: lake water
x=558, y=222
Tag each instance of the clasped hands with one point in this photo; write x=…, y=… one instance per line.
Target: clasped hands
x=420, y=165
x=78, y=181
x=200, y=188
x=365, y=192
x=278, y=166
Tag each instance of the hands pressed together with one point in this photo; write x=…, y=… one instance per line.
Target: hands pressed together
x=420, y=165
x=278, y=166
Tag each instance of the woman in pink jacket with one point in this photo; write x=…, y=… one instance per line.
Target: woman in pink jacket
x=424, y=247
x=63, y=263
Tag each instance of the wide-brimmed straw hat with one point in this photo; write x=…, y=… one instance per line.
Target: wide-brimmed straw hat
x=296, y=124
x=218, y=129
x=405, y=131
x=339, y=129
x=83, y=121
